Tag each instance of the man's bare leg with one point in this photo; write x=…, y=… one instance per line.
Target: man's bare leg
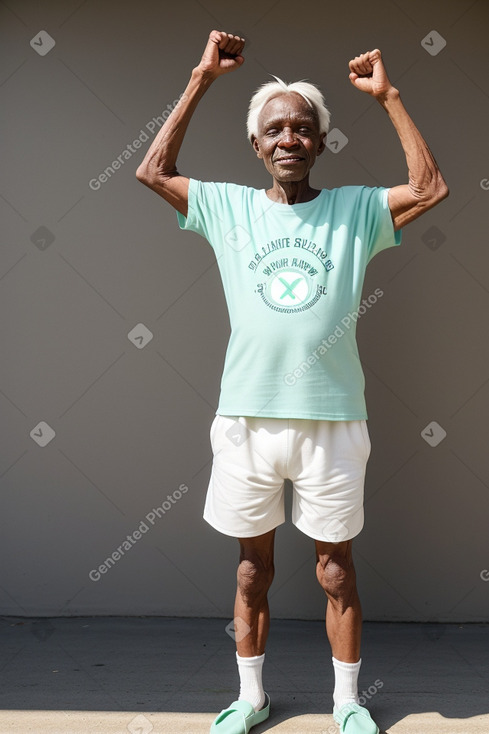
x=336, y=574
x=252, y=616
x=251, y=612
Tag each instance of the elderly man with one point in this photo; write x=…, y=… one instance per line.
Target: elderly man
x=292, y=260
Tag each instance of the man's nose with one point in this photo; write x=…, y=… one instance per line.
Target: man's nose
x=287, y=139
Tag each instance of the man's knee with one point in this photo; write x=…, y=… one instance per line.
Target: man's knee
x=336, y=574
x=255, y=576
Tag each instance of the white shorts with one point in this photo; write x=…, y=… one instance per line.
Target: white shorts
x=325, y=461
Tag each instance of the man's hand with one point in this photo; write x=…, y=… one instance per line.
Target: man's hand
x=222, y=54
x=368, y=74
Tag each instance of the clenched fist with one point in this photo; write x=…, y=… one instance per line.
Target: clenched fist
x=368, y=74
x=222, y=54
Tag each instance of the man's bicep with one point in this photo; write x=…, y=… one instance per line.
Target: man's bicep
x=174, y=190
x=405, y=206
x=400, y=201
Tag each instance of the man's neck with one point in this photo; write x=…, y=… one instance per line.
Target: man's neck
x=295, y=192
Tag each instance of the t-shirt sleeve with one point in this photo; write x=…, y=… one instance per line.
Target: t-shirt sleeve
x=206, y=207
x=379, y=227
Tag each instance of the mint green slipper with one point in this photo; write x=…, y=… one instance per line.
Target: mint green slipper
x=355, y=719
x=240, y=717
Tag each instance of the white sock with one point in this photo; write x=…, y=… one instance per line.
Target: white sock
x=251, y=688
x=345, y=682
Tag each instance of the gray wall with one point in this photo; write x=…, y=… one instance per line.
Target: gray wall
x=82, y=267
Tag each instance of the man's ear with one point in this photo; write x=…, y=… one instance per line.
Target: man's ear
x=322, y=144
x=256, y=146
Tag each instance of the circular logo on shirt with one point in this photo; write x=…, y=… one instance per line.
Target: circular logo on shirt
x=289, y=287
x=293, y=277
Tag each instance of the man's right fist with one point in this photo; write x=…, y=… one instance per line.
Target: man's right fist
x=222, y=54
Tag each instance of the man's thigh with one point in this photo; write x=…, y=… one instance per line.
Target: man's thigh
x=245, y=493
x=329, y=466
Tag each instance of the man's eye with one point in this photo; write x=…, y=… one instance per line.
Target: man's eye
x=272, y=131
x=304, y=130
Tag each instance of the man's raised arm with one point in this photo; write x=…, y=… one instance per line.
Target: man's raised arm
x=158, y=169
x=426, y=185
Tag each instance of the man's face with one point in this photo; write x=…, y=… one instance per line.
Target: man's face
x=288, y=138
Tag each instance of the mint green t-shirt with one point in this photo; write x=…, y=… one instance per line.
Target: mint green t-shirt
x=292, y=278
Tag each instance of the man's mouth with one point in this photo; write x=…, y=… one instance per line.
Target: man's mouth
x=289, y=159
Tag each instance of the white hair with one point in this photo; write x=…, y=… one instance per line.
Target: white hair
x=310, y=92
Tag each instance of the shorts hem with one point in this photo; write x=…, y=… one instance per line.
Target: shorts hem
x=312, y=534
x=250, y=534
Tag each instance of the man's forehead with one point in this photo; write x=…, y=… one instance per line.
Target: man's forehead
x=290, y=105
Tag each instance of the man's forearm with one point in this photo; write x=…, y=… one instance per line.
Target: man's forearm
x=425, y=180
x=160, y=160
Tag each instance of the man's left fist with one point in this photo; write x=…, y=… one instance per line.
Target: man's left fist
x=368, y=74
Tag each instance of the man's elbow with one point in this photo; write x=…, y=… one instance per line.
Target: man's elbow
x=154, y=178
x=148, y=174
x=433, y=194
x=441, y=190
x=142, y=174
x=147, y=177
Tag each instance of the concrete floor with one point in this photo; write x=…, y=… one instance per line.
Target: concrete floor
x=112, y=675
